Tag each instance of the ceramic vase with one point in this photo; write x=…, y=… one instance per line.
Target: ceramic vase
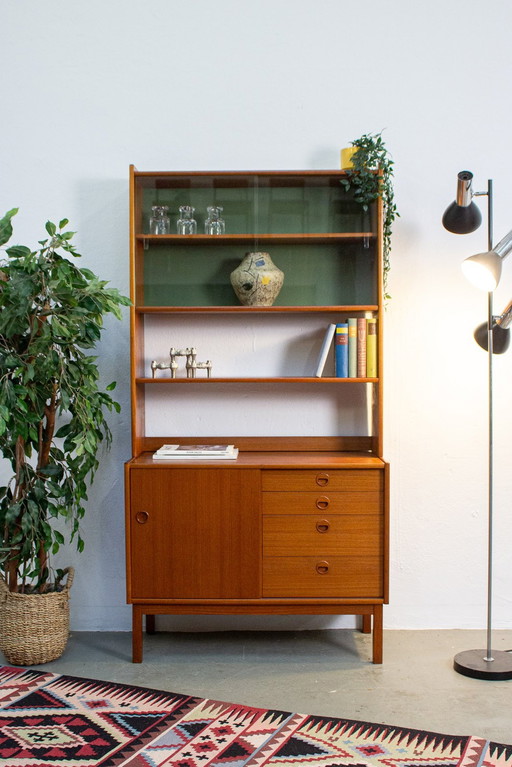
x=257, y=280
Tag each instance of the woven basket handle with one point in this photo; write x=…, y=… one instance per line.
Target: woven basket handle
x=4, y=589
x=70, y=572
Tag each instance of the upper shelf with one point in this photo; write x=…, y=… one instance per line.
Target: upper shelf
x=173, y=179
x=203, y=239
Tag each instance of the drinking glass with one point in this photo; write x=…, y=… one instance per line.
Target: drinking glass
x=159, y=222
x=186, y=223
x=214, y=224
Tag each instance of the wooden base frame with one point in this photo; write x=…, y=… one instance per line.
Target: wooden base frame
x=367, y=611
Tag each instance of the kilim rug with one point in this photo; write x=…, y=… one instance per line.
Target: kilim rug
x=50, y=720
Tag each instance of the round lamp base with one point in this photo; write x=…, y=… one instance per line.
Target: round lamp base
x=472, y=663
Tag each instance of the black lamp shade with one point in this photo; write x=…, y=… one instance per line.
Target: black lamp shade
x=500, y=338
x=461, y=219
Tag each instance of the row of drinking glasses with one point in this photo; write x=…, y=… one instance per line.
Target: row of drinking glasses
x=160, y=223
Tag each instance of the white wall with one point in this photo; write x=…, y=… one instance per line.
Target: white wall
x=89, y=88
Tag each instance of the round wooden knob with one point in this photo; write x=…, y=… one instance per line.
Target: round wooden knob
x=142, y=517
x=323, y=525
x=322, y=568
x=322, y=502
x=322, y=479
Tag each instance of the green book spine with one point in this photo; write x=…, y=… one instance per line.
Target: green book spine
x=352, y=347
x=371, y=348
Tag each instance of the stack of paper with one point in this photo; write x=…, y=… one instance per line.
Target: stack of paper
x=200, y=452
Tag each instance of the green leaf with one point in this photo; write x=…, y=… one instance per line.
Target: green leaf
x=63, y=431
x=6, y=226
x=51, y=228
x=18, y=251
x=50, y=470
x=112, y=386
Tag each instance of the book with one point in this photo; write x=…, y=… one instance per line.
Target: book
x=324, y=351
x=371, y=347
x=361, y=347
x=341, y=350
x=352, y=347
x=196, y=456
x=195, y=449
x=202, y=452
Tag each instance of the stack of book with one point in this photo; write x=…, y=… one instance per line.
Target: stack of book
x=199, y=452
x=355, y=348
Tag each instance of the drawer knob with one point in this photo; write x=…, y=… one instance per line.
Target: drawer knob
x=322, y=525
x=142, y=517
x=322, y=568
x=322, y=502
x=322, y=479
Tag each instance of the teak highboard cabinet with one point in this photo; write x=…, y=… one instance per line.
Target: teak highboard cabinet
x=298, y=523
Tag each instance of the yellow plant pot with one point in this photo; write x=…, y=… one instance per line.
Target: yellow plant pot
x=346, y=156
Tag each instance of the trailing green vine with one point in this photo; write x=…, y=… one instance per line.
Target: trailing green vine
x=372, y=155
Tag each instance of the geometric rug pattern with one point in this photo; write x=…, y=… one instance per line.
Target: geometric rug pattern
x=52, y=720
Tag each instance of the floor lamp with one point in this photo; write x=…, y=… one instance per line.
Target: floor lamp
x=484, y=270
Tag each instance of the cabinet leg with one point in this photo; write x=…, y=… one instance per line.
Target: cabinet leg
x=137, y=634
x=377, y=634
x=366, y=626
x=150, y=624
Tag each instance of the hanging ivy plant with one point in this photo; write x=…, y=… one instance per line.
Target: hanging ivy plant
x=372, y=155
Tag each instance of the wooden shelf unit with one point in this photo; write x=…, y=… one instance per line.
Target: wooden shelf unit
x=298, y=524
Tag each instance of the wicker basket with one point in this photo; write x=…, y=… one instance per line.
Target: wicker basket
x=34, y=628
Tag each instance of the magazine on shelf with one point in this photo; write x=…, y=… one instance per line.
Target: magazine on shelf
x=204, y=452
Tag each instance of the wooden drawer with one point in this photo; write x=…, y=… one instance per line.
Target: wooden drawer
x=341, y=577
x=342, y=480
x=321, y=535
x=323, y=502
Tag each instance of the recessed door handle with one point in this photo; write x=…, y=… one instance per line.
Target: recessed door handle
x=142, y=517
x=322, y=568
x=322, y=479
x=322, y=502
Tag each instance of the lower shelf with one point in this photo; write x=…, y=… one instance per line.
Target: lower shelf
x=201, y=379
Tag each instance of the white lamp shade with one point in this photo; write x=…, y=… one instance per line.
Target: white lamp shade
x=483, y=270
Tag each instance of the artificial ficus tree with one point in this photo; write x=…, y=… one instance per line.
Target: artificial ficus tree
x=52, y=409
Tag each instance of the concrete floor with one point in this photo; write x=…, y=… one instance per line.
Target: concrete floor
x=318, y=672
